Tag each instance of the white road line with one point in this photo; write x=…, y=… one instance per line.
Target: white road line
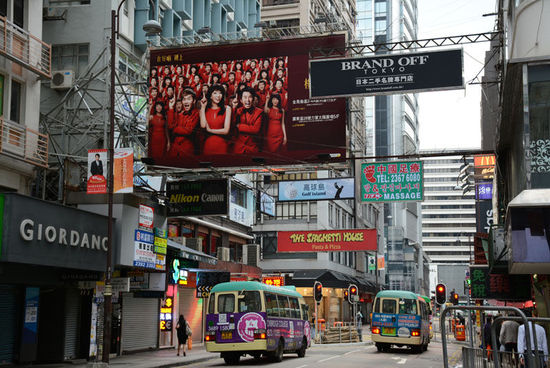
x=351, y=352
x=329, y=358
x=400, y=360
x=302, y=366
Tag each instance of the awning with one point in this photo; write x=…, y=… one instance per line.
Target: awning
x=218, y=227
x=192, y=254
x=331, y=278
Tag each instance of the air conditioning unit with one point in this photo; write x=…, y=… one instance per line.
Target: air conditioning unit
x=223, y=254
x=251, y=254
x=193, y=243
x=62, y=79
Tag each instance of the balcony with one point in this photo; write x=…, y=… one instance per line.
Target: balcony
x=23, y=48
x=23, y=143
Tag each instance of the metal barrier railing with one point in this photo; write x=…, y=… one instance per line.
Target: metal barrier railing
x=23, y=143
x=481, y=358
x=529, y=358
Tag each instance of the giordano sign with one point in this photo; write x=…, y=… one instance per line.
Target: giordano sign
x=42, y=233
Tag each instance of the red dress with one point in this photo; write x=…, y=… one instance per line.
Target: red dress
x=249, y=126
x=157, y=136
x=215, y=144
x=183, y=144
x=275, y=136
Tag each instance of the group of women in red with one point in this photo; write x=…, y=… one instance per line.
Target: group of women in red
x=206, y=109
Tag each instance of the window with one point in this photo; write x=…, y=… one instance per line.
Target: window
x=389, y=306
x=407, y=306
x=294, y=308
x=19, y=13
x=4, y=8
x=211, y=303
x=226, y=303
x=250, y=302
x=15, y=101
x=271, y=305
x=284, y=306
x=74, y=57
x=377, y=306
x=238, y=195
x=305, y=312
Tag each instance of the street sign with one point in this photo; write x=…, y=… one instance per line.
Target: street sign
x=203, y=291
x=395, y=181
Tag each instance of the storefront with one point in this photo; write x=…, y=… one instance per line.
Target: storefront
x=47, y=253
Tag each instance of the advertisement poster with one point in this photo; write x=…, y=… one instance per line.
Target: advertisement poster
x=146, y=216
x=144, y=255
x=97, y=171
x=267, y=204
x=326, y=240
x=124, y=170
x=316, y=190
x=198, y=197
x=255, y=98
x=387, y=74
x=395, y=181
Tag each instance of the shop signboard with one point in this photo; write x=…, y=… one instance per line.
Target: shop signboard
x=326, y=240
x=267, y=204
x=37, y=232
x=387, y=74
x=146, y=216
x=484, y=216
x=283, y=66
x=144, y=255
x=395, y=181
x=484, y=190
x=274, y=280
x=198, y=197
x=316, y=190
x=487, y=285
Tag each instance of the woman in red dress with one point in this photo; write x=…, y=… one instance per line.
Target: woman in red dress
x=276, y=132
x=159, y=143
x=216, y=120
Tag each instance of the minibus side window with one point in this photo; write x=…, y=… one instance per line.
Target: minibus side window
x=305, y=312
x=284, y=306
x=377, y=306
x=271, y=306
x=294, y=308
x=226, y=303
x=250, y=302
x=389, y=306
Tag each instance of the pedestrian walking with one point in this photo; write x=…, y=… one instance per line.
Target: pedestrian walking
x=181, y=329
x=542, y=347
x=509, y=339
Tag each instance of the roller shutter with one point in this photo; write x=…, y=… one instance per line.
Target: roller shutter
x=7, y=323
x=140, y=323
x=191, y=308
x=72, y=324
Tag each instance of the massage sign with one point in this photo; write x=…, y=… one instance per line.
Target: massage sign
x=326, y=240
x=394, y=181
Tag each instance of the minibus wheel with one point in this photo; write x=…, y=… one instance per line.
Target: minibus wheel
x=278, y=356
x=302, y=351
x=232, y=359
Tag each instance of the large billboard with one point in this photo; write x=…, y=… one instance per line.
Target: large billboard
x=316, y=190
x=242, y=105
x=326, y=240
x=387, y=74
x=198, y=197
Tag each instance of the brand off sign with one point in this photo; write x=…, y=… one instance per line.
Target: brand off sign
x=326, y=240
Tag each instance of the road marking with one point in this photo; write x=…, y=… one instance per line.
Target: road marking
x=302, y=366
x=329, y=358
x=400, y=360
x=351, y=352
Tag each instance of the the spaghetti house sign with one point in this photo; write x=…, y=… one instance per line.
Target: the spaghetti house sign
x=326, y=240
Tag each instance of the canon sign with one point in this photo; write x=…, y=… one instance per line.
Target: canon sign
x=61, y=236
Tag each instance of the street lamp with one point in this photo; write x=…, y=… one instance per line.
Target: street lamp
x=108, y=306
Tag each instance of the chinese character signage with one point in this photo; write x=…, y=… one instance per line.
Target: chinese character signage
x=484, y=191
x=326, y=240
x=315, y=190
x=198, y=197
x=274, y=280
x=166, y=311
x=394, y=181
x=123, y=170
x=266, y=124
x=146, y=216
x=486, y=285
x=387, y=74
x=97, y=171
x=144, y=255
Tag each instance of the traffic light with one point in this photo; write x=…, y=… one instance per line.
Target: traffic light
x=318, y=291
x=440, y=294
x=454, y=298
x=353, y=293
x=346, y=295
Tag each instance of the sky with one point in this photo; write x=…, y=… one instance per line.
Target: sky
x=451, y=119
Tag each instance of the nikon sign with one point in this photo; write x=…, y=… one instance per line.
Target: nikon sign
x=197, y=198
x=47, y=234
x=387, y=74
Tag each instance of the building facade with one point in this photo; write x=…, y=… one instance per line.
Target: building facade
x=392, y=126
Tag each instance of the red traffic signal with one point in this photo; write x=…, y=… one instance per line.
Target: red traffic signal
x=353, y=293
x=346, y=295
x=440, y=294
x=318, y=291
x=454, y=298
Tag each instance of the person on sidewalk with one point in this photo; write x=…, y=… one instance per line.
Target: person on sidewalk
x=181, y=329
x=359, y=318
x=542, y=347
x=509, y=338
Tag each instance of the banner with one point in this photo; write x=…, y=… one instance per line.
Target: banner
x=197, y=198
x=315, y=190
x=371, y=263
x=97, y=171
x=395, y=181
x=238, y=130
x=124, y=170
x=387, y=74
x=381, y=264
x=326, y=240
